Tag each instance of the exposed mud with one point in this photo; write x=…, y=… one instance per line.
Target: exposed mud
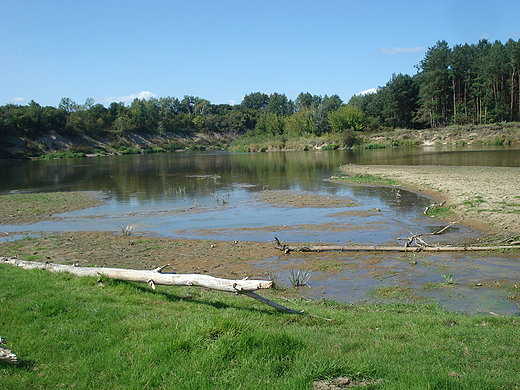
x=29, y=208
x=140, y=252
x=303, y=199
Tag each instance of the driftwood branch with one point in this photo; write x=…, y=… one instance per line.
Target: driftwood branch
x=375, y=248
x=446, y=227
x=151, y=277
x=416, y=239
x=262, y=299
x=154, y=277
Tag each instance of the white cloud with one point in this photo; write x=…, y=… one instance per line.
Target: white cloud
x=367, y=91
x=18, y=100
x=232, y=102
x=401, y=50
x=127, y=98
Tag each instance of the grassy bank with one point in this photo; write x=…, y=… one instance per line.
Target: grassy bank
x=81, y=333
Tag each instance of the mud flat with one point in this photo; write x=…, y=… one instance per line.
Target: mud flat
x=487, y=197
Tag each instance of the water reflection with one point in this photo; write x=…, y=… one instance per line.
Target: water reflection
x=153, y=176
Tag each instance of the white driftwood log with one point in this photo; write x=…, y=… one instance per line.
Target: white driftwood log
x=153, y=277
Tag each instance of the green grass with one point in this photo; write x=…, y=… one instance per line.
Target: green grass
x=329, y=266
x=440, y=211
x=366, y=178
x=72, y=332
x=58, y=155
x=395, y=292
x=475, y=202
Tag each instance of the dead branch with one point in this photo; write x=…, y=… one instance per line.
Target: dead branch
x=153, y=277
x=270, y=303
x=445, y=228
x=364, y=248
x=414, y=239
x=417, y=240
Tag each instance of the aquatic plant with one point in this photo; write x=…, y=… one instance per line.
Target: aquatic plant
x=299, y=278
x=448, y=278
x=221, y=198
x=127, y=230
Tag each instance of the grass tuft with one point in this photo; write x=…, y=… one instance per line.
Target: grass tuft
x=299, y=278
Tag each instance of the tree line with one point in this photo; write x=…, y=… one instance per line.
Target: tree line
x=466, y=84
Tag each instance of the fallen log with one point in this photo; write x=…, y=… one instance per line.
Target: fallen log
x=361, y=248
x=157, y=277
x=376, y=248
x=152, y=277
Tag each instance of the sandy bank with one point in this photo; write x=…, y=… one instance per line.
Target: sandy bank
x=487, y=197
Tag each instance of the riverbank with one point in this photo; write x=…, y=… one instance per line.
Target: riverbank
x=486, y=197
x=55, y=145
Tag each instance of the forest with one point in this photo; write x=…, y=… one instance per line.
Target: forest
x=464, y=84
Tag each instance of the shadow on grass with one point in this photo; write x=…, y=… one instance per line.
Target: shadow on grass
x=27, y=365
x=192, y=298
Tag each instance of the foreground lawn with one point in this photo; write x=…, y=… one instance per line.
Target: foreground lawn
x=82, y=333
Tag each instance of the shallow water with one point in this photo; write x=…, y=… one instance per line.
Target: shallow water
x=213, y=196
x=480, y=284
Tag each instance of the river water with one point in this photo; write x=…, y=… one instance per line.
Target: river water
x=217, y=193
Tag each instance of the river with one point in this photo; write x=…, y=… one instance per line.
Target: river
x=220, y=191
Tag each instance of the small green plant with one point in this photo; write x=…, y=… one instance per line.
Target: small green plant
x=479, y=199
x=179, y=191
x=448, y=278
x=439, y=211
x=299, y=278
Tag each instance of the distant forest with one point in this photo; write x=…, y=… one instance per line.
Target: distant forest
x=465, y=84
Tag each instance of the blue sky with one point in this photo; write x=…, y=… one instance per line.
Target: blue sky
x=221, y=50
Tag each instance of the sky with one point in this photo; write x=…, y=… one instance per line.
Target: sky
x=222, y=50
